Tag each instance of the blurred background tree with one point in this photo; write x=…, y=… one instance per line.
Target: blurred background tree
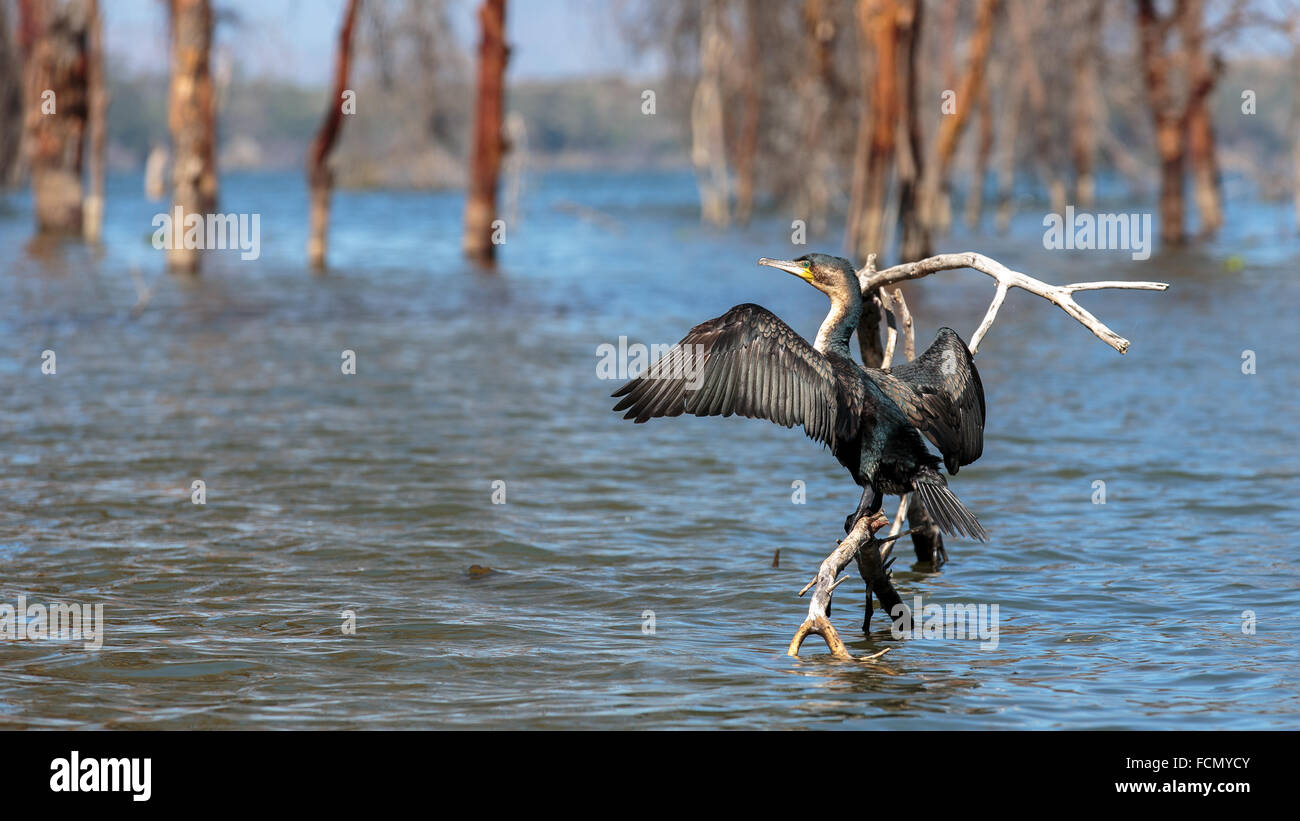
x=53, y=42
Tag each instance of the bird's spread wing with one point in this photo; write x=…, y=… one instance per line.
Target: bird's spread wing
x=750, y=363
x=941, y=393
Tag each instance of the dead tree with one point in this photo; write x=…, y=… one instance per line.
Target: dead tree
x=11, y=102
x=1153, y=31
x=874, y=155
x=887, y=154
x=914, y=231
x=935, y=206
x=751, y=100
x=52, y=38
x=1010, y=128
x=320, y=178
x=708, y=138
x=1292, y=30
x=488, y=137
x=1025, y=21
x=97, y=122
x=873, y=555
x=192, y=119
x=1203, y=71
x=983, y=149
x=817, y=87
x=1084, y=108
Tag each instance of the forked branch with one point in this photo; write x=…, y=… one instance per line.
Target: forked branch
x=861, y=542
x=1059, y=295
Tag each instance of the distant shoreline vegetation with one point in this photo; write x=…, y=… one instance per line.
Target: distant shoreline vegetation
x=572, y=123
x=268, y=124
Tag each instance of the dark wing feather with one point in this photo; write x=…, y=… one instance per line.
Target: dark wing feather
x=750, y=363
x=941, y=393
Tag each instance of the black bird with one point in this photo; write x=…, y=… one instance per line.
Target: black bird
x=750, y=363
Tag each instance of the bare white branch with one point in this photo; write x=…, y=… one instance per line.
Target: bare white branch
x=891, y=332
x=895, y=528
x=905, y=328
x=1059, y=295
x=818, y=622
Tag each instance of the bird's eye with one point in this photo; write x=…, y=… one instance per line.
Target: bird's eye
x=807, y=264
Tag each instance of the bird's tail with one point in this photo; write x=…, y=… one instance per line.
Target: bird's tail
x=945, y=508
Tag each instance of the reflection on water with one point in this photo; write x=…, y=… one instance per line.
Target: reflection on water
x=372, y=493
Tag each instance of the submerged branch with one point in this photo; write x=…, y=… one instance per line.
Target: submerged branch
x=861, y=539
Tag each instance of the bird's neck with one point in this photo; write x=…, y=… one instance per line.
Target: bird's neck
x=833, y=336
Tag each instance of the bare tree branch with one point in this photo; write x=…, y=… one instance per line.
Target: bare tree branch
x=861, y=543
x=1059, y=295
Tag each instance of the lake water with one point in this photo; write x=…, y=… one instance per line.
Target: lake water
x=373, y=492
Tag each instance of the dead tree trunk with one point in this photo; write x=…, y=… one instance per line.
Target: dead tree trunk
x=191, y=117
x=747, y=145
x=877, y=128
x=1010, y=125
x=817, y=88
x=1084, y=108
x=948, y=44
x=53, y=41
x=935, y=206
x=1152, y=34
x=320, y=179
x=11, y=103
x=488, y=139
x=889, y=132
x=708, y=137
x=93, y=216
x=855, y=223
x=915, y=232
x=1202, y=70
x=1024, y=23
x=983, y=151
x=1295, y=180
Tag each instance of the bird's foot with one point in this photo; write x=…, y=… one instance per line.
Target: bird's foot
x=867, y=505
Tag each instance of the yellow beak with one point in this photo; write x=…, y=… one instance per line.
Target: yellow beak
x=789, y=266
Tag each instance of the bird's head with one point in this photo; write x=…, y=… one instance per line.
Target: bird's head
x=833, y=276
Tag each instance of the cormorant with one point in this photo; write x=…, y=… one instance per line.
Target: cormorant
x=748, y=362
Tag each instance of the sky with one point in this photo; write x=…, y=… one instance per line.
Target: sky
x=294, y=39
